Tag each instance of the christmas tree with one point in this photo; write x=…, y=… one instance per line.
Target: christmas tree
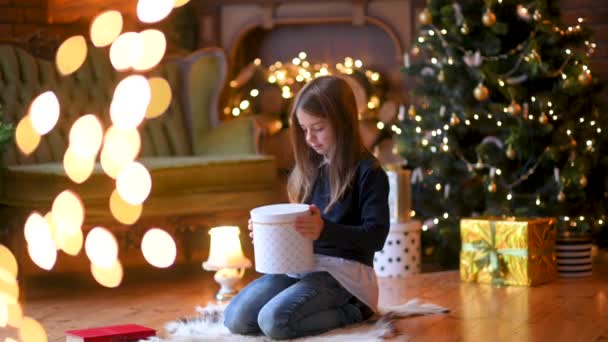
x=505, y=119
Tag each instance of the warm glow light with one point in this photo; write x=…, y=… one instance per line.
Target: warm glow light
x=72, y=244
x=180, y=3
x=9, y=291
x=122, y=211
x=108, y=276
x=101, y=247
x=152, y=11
x=26, y=136
x=43, y=253
x=32, y=331
x=126, y=51
x=160, y=97
x=3, y=314
x=154, y=47
x=225, y=250
x=105, y=28
x=8, y=262
x=86, y=135
x=15, y=315
x=158, y=248
x=68, y=213
x=120, y=147
x=44, y=112
x=130, y=102
x=71, y=55
x=36, y=229
x=77, y=167
x=134, y=183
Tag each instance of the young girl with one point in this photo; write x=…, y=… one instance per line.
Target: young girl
x=348, y=195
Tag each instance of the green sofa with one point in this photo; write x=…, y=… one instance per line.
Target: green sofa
x=204, y=171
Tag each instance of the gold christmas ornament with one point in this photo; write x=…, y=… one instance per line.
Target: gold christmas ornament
x=454, y=120
x=583, y=181
x=411, y=111
x=492, y=187
x=425, y=17
x=464, y=29
x=561, y=196
x=488, y=18
x=481, y=92
x=543, y=119
x=514, y=108
x=415, y=50
x=584, y=78
x=511, y=152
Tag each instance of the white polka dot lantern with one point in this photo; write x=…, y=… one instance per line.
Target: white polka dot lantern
x=278, y=247
x=400, y=255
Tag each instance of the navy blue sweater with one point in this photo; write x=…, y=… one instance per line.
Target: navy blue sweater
x=357, y=225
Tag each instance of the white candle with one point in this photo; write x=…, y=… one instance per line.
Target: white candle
x=406, y=60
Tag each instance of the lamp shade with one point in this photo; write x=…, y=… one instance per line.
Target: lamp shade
x=225, y=250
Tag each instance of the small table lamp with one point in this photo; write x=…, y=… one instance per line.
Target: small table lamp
x=226, y=257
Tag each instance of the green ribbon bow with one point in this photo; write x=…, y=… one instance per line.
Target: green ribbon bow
x=489, y=257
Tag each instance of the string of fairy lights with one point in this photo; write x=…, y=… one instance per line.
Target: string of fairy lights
x=290, y=76
x=534, y=108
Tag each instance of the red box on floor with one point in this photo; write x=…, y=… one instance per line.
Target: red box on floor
x=114, y=333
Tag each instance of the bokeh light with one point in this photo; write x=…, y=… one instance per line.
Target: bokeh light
x=154, y=47
x=130, y=102
x=86, y=136
x=8, y=262
x=15, y=315
x=134, y=183
x=158, y=248
x=180, y=3
x=160, y=98
x=68, y=213
x=105, y=28
x=101, y=247
x=78, y=167
x=120, y=147
x=44, y=112
x=108, y=276
x=43, y=252
x=152, y=11
x=122, y=211
x=126, y=50
x=32, y=331
x=71, y=55
x=26, y=136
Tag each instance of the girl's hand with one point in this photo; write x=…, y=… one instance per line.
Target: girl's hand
x=250, y=227
x=310, y=226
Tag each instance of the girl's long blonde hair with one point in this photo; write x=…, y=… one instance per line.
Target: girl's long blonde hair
x=326, y=97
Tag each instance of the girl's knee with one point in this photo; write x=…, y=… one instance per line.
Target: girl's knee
x=273, y=325
x=239, y=322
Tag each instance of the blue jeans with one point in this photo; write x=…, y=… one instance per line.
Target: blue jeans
x=282, y=307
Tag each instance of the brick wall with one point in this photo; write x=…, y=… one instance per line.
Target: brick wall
x=595, y=14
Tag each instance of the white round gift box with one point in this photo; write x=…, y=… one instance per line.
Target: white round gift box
x=400, y=255
x=278, y=248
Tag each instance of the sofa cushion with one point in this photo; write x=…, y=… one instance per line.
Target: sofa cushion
x=180, y=185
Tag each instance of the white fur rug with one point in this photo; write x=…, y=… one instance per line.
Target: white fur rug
x=208, y=326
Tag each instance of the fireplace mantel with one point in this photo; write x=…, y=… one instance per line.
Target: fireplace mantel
x=228, y=23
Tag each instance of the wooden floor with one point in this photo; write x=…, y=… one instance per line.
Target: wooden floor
x=565, y=310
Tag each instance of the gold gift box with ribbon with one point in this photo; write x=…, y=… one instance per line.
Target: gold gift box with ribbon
x=508, y=251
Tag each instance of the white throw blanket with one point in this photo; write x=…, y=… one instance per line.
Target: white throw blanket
x=209, y=326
